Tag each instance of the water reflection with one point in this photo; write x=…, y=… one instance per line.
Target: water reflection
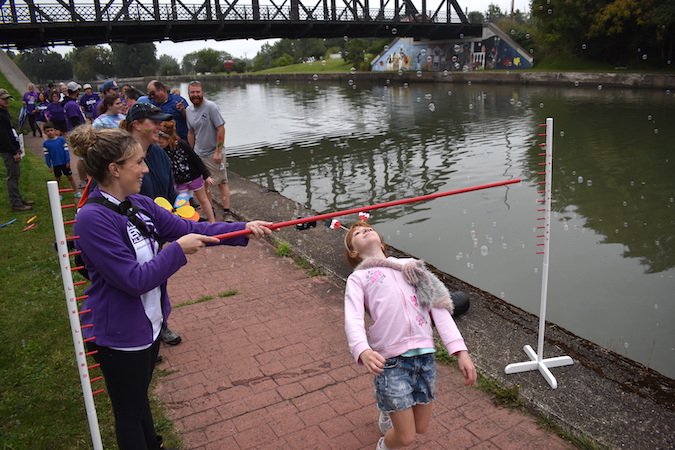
x=612, y=247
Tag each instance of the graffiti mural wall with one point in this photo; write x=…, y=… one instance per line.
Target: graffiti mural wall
x=490, y=53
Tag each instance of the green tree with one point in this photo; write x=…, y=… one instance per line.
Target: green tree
x=493, y=13
x=263, y=59
x=663, y=19
x=355, y=52
x=134, y=60
x=476, y=17
x=284, y=60
x=168, y=65
x=90, y=62
x=42, y=66
x=205, y=60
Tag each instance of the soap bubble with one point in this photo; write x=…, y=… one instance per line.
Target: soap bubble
x=449, y=93
x=469, y=83
x=350, y=82
x=315, y=77
x=644, y=57
x=323, y=63
x=541, y=105
x=576, y=84
x=580, y=179
x=445, y=73
x=394, y=31
x=599, y=87
x=457, y=48
x=589, y=183
x=583, y=46
x=649, y=117
x=562, y=134
x=278, y=82
x=352, y=70
x=484, y=250
x=400, y=72
x=656, y=131
x=419, y=73
x=427, y=96
x=432, y=107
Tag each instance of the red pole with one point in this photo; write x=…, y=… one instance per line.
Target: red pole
x=369, y=208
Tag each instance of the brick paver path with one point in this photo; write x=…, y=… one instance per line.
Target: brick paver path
x=270, y=368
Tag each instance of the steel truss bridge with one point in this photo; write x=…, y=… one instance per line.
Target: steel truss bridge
x=27, y=24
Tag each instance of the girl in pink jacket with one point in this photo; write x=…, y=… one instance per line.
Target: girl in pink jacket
x=402, y=298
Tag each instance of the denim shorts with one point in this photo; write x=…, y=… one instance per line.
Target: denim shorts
x=406, y=382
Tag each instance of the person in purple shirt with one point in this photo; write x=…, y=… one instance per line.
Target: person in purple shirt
x=120, y=236
x=56, y=114
x=74, y=114
x=173, y=104
x=40, y=107
x=88, y=100
x=29, y=100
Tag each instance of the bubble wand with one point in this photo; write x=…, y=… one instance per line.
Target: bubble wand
x=370, y=208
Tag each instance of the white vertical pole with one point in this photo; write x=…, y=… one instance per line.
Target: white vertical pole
x=537, y=360
x=71, y=304
x=548, y=193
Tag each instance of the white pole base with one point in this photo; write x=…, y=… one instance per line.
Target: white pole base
x=541, y=364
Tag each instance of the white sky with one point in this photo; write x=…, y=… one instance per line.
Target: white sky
x=248, y=48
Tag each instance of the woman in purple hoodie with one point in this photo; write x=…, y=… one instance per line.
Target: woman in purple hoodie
x=120, y=236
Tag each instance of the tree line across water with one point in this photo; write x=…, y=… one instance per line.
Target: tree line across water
x=638, y=35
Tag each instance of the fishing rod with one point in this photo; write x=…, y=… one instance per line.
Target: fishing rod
x=369, y=208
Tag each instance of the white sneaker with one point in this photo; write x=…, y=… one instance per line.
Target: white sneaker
x=384, y=423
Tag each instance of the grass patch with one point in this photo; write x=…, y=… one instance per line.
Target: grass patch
x=506, y=397
x=304, y=264
x=41, y=404
x=283, y=249
x=326, y=66
x=206, y=298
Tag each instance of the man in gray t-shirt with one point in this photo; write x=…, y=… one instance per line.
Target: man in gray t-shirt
x=206, y=135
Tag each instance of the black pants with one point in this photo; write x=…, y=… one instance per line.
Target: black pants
x=33, y=126
x=127, y=377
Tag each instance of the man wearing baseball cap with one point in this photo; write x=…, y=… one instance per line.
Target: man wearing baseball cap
x=74, y=114
x=108, y=87
x=11, y=155
x=88, y=100
x=143, y=121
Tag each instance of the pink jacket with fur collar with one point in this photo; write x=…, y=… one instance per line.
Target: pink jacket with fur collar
x=400, y=321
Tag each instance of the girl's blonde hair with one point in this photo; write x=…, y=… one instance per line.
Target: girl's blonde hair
x=99, y=148
x=355, y=260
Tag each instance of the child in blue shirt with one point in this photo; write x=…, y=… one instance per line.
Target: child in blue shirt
x=57, y=156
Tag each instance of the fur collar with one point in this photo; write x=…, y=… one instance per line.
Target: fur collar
x=431, y=292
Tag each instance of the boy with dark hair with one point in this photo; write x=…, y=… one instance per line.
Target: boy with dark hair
x=57, y=156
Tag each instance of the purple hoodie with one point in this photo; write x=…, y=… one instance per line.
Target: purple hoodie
x=118, y=280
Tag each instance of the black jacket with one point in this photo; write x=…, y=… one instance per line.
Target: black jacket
x=8, y=142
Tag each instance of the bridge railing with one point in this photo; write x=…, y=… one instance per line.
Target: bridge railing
x=13, y=13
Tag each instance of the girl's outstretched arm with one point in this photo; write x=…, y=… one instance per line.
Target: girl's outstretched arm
x=467, y=368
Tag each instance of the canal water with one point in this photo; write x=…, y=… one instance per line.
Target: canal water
x=611, y=276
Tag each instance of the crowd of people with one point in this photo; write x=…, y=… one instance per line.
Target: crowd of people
x=133, y=149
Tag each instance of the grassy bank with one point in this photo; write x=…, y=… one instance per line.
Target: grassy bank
x=41, y=404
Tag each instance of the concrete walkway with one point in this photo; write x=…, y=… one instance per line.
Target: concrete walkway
x=270, y=368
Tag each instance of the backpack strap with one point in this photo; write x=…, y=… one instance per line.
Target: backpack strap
x=126, y=208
